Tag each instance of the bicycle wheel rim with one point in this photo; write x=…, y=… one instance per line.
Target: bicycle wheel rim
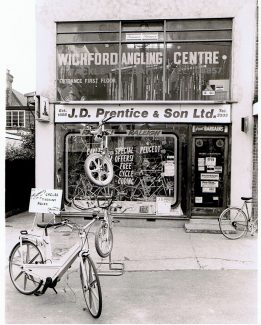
x=24, y=283
x=233, y=223
x=99, y=169
x=92, y=289
x=104, y=240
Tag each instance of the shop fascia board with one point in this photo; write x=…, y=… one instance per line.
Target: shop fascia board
x=154, y=102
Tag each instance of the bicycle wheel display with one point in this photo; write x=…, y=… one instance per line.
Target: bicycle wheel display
x=28, y=253
x=99, y=169
x=91, y=286
x=233, y=223
x=104, y=240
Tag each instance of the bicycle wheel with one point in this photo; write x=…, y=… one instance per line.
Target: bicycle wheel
x=99, y=169
x=30, y=254
x=91, y=286
x=233, y=223
x=104, y=240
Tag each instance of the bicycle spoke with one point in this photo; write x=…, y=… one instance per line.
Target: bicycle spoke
x=18, y=276
x=25, y=281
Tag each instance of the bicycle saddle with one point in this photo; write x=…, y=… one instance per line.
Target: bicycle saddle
x=48, y=224
x=246, y=198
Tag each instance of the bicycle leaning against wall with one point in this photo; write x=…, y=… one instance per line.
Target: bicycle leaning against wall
x=235, y=222
x=32, y=266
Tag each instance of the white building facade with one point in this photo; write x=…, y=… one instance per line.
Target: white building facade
x=177, y=78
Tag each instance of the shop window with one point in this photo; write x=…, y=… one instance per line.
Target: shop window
x=198, y=71
x=142, y=71
x=144, y=60
x=87, y=72
x=145, y=166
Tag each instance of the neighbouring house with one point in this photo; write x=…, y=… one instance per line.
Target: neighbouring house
x=19, y=117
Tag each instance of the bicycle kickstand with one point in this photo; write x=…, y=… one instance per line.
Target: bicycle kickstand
x=48, y=284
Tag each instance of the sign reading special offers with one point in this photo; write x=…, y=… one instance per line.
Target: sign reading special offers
x=71, y=113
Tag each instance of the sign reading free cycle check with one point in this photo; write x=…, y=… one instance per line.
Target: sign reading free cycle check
x=81, y=113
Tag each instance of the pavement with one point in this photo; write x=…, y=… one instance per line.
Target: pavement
x=171, y=276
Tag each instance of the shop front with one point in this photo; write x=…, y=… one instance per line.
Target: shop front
x=169, y=160
x=177, y=82
x=165, y=84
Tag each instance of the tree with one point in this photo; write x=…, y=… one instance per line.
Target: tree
x=24, y=152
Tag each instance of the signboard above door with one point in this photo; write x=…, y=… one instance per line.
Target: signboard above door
x=140, y=113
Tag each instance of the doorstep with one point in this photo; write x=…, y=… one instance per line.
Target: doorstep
x=210, y=226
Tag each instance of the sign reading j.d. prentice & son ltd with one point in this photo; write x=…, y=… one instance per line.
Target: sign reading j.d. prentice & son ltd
x=70, y=113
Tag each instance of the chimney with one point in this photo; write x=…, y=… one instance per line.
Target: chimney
x=9, y=81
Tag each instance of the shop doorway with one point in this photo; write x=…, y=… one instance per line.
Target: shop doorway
x=209, y=175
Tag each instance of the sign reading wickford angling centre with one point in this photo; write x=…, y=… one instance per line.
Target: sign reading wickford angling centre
x=81, y=113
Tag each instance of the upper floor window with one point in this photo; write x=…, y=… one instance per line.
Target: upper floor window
x=144, y=60
x=15, y=119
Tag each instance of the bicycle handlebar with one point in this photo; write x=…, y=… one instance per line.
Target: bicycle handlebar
x=105, y=120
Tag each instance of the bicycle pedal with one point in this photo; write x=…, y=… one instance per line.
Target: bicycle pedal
x=55, y=290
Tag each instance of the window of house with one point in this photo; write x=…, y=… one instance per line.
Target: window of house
x=15, y=119
x=144, y=60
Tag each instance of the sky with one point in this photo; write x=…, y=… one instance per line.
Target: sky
x=19, y=23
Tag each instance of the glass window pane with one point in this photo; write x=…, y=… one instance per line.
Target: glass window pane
x=198, y=71
x=144, y=167
x=87, y=72
x=142, y=26
x=15, y=119
x=199, y=35
x=87, y=27
x=199, y=24
x=21, y=118
x=142, y=71
x=8, y=119
x=89, y=37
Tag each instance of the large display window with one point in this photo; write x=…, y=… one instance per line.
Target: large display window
x=144, y=60
x=145, y=167
x=198, y=71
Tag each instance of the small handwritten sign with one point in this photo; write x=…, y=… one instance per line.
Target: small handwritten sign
x=43, y=200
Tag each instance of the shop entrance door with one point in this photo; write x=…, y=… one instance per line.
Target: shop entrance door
x=209, y=175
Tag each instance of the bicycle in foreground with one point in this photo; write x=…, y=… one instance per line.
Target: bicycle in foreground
x=32, y=266
x=235, y=222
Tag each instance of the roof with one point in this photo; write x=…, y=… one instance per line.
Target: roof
x=18, y=99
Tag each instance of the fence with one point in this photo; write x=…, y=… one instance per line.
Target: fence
x=19, y=179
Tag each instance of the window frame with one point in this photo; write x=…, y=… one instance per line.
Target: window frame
x=61, y=29
x=19, y=112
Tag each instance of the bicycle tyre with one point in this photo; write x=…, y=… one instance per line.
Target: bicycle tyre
x=99, y=169
x=103, y=235
x=233, y=223
x=24, y=283
x=91, y=290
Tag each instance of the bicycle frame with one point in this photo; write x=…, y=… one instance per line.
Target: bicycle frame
x=51, y=268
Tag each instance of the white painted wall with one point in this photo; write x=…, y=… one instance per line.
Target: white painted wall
x=244, y=14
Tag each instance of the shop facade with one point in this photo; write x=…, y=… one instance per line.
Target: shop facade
x=177, y=85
